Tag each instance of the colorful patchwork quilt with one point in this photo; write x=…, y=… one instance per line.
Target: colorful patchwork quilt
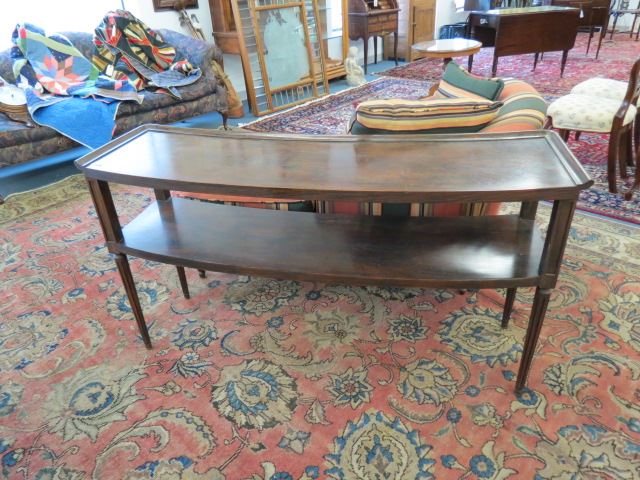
x=126, y=49
x=64, y=90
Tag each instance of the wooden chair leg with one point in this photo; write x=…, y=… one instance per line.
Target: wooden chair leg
x=636, y=132
x=577, y=135
x=612, y=158
x=636, y=183
x=535, y=60
x=590, y=37
x=628, y=156
x=623, y=152
x=564, y=134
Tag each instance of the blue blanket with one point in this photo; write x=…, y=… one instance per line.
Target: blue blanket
x=64, y=90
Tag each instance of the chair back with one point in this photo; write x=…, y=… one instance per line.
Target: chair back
x=631, y=97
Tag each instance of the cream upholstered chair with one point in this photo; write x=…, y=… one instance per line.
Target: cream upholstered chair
x=588, y=111
x=608, y=88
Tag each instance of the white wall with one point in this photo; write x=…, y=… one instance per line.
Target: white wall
x=143, y=9
x=85, y=15
x=446, y=14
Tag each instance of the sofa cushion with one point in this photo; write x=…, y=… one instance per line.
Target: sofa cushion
x=434, y=115
x=601, y=87
x=585, y=113
x=457, y=82
x=523, y=109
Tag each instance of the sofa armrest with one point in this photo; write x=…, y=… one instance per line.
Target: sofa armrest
x=198, y=52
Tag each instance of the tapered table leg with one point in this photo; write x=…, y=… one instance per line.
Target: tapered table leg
x=132, y=294
x=538, y=311
x=565, y=54
x=202, y=274
x=508, y=306
x=183, y=281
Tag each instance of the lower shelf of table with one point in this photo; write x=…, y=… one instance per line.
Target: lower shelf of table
x=472, y=252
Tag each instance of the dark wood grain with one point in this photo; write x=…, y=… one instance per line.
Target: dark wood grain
x=386, y=168
x=518, y=31
x=471, y=252
x=458, y=252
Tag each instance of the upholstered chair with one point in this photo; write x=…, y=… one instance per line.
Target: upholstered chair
x=585, y=109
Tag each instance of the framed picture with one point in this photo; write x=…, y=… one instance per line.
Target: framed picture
x=160, y=5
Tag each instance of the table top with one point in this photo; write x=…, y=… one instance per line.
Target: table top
x=381, y=168
x=452, y=46
x=524, y=10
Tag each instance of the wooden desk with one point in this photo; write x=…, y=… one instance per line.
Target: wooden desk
x=518, y=31
x=456, y=252
x=366, y=21
x=594, y=14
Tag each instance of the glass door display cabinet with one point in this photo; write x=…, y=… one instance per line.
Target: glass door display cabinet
x=333, y=19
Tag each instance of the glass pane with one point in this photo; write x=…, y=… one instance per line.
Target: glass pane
x=285, y=51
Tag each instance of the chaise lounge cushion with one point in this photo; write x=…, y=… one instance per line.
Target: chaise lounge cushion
x=431, y=115
x=523, y=109
x=458, y=82
x=587, y=113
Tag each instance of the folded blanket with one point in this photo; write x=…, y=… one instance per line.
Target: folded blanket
x=126, y=49
x=64, y=90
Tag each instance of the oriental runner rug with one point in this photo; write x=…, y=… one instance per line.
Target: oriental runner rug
x=260, y=379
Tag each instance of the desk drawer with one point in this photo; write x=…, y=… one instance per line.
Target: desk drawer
x=383, y=23
x=483, y=21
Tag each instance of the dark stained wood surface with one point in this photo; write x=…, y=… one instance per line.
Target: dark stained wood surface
x=389, y=168
x=470, y=252
x=467, y=252
x=518, y=31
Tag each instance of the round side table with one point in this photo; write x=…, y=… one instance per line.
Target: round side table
x=449, y=48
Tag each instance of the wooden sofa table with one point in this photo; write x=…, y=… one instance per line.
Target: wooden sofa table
x=505, y=251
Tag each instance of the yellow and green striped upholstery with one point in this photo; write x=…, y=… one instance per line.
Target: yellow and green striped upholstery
x=432, y=115
x=456, y=82
x=523, y=108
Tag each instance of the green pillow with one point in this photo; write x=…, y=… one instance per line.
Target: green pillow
x=457, y=82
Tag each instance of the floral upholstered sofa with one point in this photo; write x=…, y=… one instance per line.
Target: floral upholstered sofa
x=20, y=143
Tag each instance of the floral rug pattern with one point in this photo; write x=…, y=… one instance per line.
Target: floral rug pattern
x=254, y=378
x=330, y=115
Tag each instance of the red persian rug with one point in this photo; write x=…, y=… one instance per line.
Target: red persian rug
x=260, y=379
x=615, y=61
